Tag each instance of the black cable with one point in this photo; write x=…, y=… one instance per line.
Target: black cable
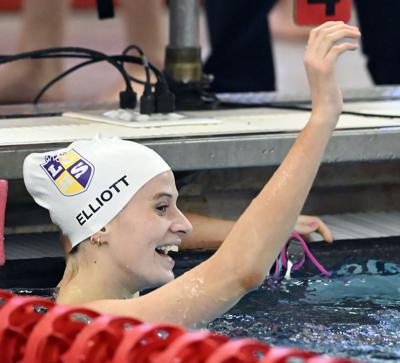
x=354, y=113
x=70, y=70
x=162, y=89
x=160, y=101
x=147, y=100
x=127, y=97
x=309, y=109
x=47, y=53
x=145, y=63
x=128, y=58
x=59, y=77
x=79, y=52
x=164, y=97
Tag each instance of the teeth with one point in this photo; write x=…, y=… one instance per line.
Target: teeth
x=167, y=248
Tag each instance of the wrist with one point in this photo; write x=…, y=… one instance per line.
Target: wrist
x=324, y=119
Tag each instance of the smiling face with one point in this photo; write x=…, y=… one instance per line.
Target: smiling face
x=141, y=235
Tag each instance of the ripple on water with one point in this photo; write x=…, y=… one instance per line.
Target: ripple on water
x=352, y=314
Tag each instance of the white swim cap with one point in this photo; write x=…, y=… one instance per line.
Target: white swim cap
x=85, y=185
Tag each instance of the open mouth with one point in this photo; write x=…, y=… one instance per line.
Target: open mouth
x=165, y=249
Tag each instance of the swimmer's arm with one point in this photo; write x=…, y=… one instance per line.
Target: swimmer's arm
x=243, y=260
x=209, y=232
x=268, y=220
x=192, y=300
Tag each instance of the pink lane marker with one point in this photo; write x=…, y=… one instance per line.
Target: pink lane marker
x=3, y=202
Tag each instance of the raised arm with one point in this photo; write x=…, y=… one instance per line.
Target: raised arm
x=246, y=255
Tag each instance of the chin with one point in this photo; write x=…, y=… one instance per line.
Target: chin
x=168, y=277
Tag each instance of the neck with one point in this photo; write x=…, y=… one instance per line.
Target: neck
x=95, y=278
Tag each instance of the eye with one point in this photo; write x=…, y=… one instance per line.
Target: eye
x=162, y=208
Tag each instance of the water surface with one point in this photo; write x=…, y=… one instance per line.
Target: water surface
x=354, y=313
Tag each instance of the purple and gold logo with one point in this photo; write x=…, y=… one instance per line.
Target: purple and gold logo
x=69, y=171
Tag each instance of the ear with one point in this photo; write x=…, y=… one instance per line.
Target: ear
x=100, y=237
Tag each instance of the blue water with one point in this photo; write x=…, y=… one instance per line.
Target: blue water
x=355, y=313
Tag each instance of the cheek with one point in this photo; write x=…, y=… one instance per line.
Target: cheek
x=127, y=242
x=152, y=230
x=140, y=234
x=136, y=240
x=127, y=252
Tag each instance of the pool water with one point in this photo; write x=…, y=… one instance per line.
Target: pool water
x=354, y=313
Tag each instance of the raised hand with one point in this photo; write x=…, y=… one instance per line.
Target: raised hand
x=325, y=44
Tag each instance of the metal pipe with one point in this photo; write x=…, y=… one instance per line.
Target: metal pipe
x=184, y=23
x=183, y=54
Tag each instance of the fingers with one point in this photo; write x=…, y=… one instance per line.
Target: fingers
x=324, y=28
x=316, y=31
x=339, y=49
x=324, y=38
x=324, y=231
x=327, y=29
x=308, y=224
x=326, y=43
x=329, y=42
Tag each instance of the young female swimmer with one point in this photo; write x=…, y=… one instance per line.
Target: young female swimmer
x=116, y=202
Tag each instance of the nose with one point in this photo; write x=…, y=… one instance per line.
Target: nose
x=181, y=224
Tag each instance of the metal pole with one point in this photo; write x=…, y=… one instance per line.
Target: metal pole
x=183, y=54
x=184, y=24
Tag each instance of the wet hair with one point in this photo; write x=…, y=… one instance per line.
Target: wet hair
x=74, y=250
